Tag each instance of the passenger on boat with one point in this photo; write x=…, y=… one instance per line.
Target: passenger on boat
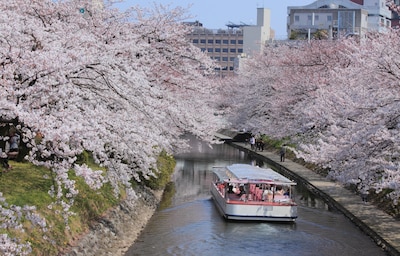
x=236, y=190
x=241, y=190
x=286, y=192
x=230, y=189
x=267, y=194
x=242, y=193
x=279, y=190
x=220, y=187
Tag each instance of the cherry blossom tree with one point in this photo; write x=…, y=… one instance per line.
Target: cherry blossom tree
x=336, y=100
x=362, y=135
x=392, y=5
x=280, y=82
x=121, y=85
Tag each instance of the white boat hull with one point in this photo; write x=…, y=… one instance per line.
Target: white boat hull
x=251, y=210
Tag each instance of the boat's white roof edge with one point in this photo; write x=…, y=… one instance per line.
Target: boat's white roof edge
x=246, y=173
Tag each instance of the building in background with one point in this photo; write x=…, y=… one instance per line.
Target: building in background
x=222, y=45
x=89, y=6
x=330, y=19
x=255, y=37
x=225, y=45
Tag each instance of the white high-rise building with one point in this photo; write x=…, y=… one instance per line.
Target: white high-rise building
x=255, y=37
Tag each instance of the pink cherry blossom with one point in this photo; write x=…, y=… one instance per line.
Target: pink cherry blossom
x=120, y=85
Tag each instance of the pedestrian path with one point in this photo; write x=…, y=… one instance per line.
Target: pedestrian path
x=381, y=227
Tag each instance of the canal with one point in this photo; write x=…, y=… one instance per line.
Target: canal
x=187, y=222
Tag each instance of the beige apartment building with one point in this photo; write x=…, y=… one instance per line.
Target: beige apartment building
x=225, y=46
x=222, y=45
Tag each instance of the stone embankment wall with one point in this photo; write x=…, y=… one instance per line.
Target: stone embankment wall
x=114, y=233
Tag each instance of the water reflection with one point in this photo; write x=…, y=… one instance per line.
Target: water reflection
x=167, y=197
x=187, y=222
x=307, y=199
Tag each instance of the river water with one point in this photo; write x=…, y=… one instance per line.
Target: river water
x=187, y=222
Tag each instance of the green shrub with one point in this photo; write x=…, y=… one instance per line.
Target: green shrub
x=165, y=167
x=84, y=157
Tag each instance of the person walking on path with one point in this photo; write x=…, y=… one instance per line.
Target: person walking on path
x=283, y=153
x=252, y=142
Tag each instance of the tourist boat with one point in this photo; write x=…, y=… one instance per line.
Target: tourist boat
x=247, y=192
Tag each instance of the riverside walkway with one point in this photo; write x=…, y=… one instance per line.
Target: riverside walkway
x=381, y=227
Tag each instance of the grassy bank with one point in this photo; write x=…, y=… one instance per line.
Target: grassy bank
x=27, y=184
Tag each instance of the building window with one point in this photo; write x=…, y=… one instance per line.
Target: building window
x=202, y=41
x=217, y=41
x=233, y=41
x=210, y=41
x=329, y=18
x=203, y=49
x=309, y=17
x=210, y=50
x=225, y=41
x=240, y=41
x=224, y=58
x=195, y=41
x=316, y=17
x=297, y=18
x=224, y=49
x=217, y=49
x=232, y=50
x=232, y=58
x=240, y=50
x=383, y=22
x=230, y=68
x=217, y=58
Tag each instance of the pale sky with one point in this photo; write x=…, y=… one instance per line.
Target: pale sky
x=216, y=14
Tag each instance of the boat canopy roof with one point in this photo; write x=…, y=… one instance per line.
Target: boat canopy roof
x=245, y=173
